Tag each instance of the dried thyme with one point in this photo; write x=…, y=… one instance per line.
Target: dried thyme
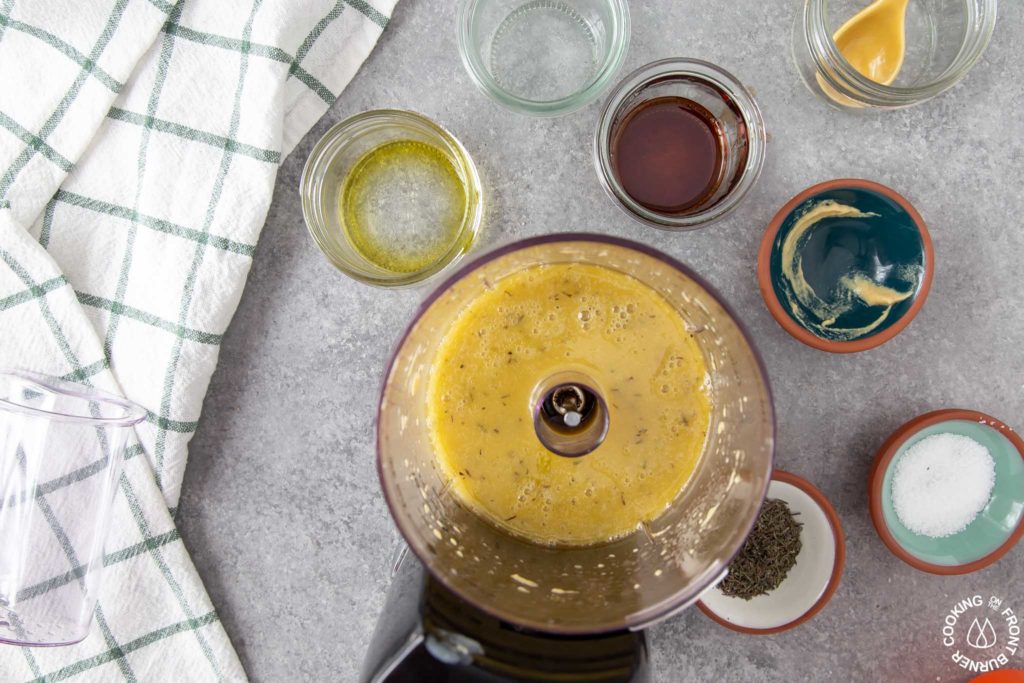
x=768, y=554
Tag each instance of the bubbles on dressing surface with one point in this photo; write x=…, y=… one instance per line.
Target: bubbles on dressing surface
x=552, y=319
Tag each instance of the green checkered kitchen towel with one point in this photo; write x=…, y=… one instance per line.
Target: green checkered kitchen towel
x=139, y=142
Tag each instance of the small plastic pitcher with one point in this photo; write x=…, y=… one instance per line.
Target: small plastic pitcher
x=61, y=449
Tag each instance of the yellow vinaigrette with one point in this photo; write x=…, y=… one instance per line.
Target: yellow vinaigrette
x=530, y=326
x=402, y=205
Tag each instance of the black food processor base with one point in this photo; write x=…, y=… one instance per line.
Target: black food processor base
x=427, y=634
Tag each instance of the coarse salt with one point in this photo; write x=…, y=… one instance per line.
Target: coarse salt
x=941, y=484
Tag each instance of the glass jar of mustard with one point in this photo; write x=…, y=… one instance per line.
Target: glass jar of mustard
x=939, y=42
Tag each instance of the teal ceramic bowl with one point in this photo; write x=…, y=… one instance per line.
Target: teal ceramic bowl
x=997, y=527
x=845, y=265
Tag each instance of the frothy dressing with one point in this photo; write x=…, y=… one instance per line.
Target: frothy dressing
x=643, y=360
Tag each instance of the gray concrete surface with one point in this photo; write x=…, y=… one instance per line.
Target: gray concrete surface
x=281, y=507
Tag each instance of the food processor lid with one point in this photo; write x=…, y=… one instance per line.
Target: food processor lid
x=630, y=583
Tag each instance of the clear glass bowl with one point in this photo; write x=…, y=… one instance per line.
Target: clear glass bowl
x=944, y=39
x=543, y=57
x=716, y=90
x=402, y=203
x=630, y=582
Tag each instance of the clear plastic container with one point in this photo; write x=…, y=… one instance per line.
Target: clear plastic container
x=944, y=39
x=543, y=57
x=61, y=449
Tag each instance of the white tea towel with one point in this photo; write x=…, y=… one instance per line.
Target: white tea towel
x=139, y=143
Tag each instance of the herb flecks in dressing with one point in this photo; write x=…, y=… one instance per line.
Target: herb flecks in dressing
x=548, y=319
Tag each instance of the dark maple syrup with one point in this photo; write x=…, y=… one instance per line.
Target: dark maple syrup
x=668, y=154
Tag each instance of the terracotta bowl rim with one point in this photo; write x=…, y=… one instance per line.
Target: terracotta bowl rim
x=798, y=331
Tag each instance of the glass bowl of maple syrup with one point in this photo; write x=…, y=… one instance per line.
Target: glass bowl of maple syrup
x=680, y=143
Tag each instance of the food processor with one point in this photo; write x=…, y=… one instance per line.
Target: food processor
x=473, y=602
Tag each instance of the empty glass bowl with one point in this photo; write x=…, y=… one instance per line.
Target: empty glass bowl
x=543, y=57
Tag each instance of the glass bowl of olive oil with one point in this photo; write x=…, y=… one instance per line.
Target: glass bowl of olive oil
x=391, y=198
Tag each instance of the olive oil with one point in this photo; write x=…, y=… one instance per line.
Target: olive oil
x=402, y=205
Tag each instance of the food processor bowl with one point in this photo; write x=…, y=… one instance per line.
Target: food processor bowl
x=627, y=583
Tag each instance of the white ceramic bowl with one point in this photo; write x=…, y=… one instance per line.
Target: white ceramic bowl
x=811, y=582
